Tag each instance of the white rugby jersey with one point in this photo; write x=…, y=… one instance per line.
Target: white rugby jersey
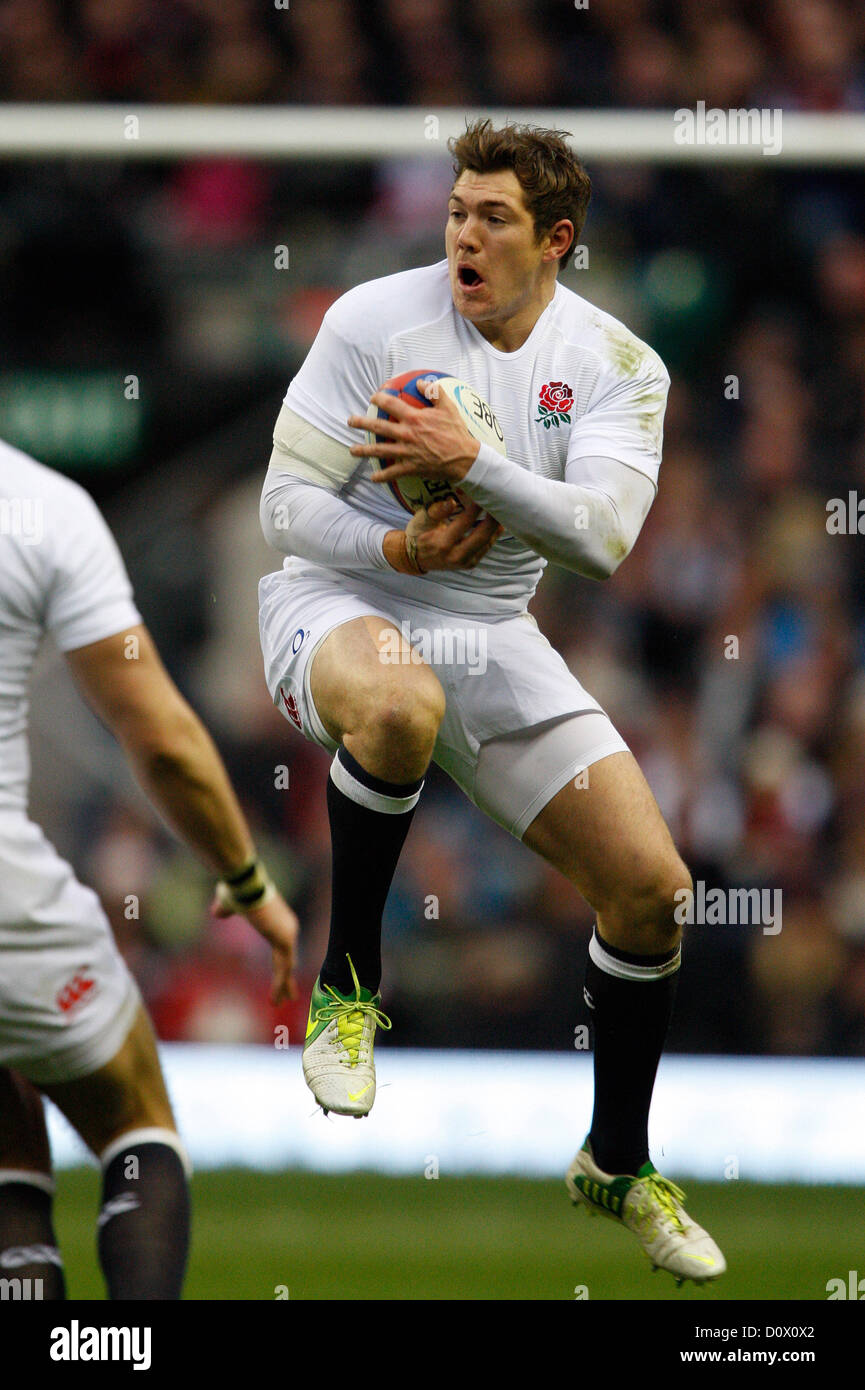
x=582, y=386
x=60, y=573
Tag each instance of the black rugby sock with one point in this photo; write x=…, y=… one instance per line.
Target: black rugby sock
x=369, y=821
x=144, y=1220
x=30, y=1263
x=631, y=998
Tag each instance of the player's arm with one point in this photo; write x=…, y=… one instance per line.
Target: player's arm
x=176, y=763
x=587, y=524
x=589, y=521
x=302, y=515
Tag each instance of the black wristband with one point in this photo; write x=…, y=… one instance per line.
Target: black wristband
x=235, y=880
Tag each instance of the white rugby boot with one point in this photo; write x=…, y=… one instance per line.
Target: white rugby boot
x=651, y=1207
x=338, y=1063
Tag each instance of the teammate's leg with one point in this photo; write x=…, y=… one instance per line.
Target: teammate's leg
x=28, y=1245
x=384, y=709
x=610, y=840
x=123, y=1113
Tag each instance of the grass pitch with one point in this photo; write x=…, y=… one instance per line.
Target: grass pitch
x=364, y=1236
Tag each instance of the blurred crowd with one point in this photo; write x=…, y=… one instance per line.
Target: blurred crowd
x=804, y=54
x=730, y=647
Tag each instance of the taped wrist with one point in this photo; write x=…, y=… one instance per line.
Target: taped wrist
x=250, y=887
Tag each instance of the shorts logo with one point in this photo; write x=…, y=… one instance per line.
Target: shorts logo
x=291, y=705
x=297, y=641
x=555, y=402
x=75, y=990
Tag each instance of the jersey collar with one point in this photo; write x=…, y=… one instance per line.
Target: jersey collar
x=537, y=332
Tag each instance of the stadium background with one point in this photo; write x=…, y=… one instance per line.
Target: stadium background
x=149, y=325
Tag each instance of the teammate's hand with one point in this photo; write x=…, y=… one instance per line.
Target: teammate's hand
x=452, y=537
x=428, y=443
x=278, y=924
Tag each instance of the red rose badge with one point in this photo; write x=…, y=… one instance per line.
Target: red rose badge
x=555, y=402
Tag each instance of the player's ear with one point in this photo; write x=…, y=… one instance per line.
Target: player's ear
x=560, y=238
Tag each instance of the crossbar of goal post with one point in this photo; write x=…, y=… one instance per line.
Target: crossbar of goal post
x=688, y=136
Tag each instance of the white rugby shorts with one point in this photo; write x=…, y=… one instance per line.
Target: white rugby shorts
x=67, y=999
x=510, y=737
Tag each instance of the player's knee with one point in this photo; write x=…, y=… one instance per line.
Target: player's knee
x=660, y=914
x=649, y=912
x=410, y=711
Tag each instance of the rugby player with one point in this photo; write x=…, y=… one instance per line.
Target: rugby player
x=72, y=1023
x=581, y=402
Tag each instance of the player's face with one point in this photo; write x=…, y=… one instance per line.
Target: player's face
x=501, y=276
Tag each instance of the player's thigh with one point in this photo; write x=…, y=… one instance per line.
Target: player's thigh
x=127, y=1093
x=604, y=831
x=23, y=1134
x=365, y=671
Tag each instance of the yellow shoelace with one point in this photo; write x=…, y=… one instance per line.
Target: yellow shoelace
x=666, y=1194
x=349, y=1016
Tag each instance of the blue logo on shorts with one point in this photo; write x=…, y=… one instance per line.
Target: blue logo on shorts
x=298, y=640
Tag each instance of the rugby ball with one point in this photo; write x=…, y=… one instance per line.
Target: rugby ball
x=413, y=493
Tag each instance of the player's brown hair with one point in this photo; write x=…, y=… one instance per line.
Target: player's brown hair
x=554, y=182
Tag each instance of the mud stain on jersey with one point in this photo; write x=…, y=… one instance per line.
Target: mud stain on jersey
x=627, y=353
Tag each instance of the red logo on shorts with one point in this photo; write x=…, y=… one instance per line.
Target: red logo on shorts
x=291, y=705
x=74, y=991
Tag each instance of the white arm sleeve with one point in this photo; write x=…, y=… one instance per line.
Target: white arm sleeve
x=300, y=512
x=302, y=518
x=588, y=523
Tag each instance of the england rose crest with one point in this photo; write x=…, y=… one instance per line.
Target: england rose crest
x=555, y=403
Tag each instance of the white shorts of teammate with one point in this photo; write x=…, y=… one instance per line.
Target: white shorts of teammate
x=67, y=1000
x=518, y=725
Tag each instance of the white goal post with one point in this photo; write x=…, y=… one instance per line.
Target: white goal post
x=688, y=136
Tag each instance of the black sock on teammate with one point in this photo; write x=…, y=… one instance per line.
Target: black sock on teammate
x=28, y=1245
x=631, y=998
x=144, y=1220
x=369, y=821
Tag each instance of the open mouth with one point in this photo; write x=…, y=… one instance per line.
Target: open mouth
x=468, y=277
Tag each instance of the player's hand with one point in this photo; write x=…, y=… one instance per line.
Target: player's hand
x=429, y=443
x=278, y=924
x=452, y=537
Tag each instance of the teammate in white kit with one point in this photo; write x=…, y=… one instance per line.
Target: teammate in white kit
x=72, y=1023
x=581, y=402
